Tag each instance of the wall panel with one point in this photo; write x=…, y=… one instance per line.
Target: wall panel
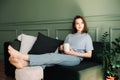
x=6, y=34
x=93, y=31
x=35, y=31
x=114, y=33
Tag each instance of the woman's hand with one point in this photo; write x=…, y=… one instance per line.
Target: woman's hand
x=70, y=52
x=61, y=47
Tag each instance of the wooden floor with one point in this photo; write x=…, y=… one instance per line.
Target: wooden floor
x=2, y=74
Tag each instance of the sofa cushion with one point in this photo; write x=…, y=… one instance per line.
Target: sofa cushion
x=27, y=42
x=29, y=73
x=60, y=73
x=85, y=64
x=45, y=44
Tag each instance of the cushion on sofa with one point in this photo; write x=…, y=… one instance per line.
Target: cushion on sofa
x=44, y=44
x=27, y=42
x=29, y=73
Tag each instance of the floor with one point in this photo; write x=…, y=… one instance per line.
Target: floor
x=2, y=74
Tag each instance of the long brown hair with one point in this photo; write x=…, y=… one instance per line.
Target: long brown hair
x=74, y=30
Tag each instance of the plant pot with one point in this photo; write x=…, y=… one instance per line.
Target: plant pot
x=111, y=78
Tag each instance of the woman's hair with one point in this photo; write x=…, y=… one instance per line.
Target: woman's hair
x=74, y=30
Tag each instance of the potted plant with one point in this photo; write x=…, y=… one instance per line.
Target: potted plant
x=111, y=57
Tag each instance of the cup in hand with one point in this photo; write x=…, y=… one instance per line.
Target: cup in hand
x=66, y=47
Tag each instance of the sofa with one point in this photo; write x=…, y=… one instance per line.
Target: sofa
x=89, y=68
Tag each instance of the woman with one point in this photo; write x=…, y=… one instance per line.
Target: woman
x=80, y=46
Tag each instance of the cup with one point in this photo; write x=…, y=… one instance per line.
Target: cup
x=66, y=47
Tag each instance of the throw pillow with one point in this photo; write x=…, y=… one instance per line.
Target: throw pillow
x=20, y=37
x=27, y=42
x=45, y=44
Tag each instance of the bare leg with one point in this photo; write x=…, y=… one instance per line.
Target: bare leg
x=17, y=59
x=16, y=54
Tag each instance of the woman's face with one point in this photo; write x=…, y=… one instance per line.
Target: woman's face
x=79, y=25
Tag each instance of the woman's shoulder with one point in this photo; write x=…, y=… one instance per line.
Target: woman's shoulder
x=87, y=35
x=70, y=34
x=79, y=34
x=84, y=34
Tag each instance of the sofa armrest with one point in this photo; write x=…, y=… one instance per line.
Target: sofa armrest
x=9, y=68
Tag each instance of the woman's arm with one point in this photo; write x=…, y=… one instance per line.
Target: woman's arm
x=84, y=55
x=88, y=54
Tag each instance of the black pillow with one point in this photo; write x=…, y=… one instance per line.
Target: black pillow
x=44, y=44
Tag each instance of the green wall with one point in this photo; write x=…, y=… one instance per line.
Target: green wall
x=54, y=17
x=34, y=10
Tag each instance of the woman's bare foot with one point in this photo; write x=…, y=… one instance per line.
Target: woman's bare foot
x=16, y=54
x=18, y=63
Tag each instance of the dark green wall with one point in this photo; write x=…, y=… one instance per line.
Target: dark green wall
x=35, y=10
x=54, y=17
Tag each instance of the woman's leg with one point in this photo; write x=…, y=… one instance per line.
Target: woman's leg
x=16, y=54
x=17, y=59
x=18, y=63
x=20, y=59
x=53, y=58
